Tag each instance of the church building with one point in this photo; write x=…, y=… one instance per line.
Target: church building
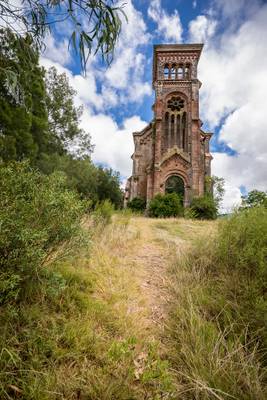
x=172, y=153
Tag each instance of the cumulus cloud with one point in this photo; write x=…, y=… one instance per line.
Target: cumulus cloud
x=103, y=88
x=169, y=26
x=57, y=51
x=113, y=144
x=128, y=66
x=201, y=29
x=233, y=96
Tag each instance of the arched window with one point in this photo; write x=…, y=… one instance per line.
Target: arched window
x=175, y=184
x=187, y=72
x=166, y=72
x=180, y=72
x=173, y=71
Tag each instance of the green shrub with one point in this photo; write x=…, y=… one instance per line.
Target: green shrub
x=37, y=214
x=204, y=207
x=103, y=212
x=167, y=205
x=137, y=204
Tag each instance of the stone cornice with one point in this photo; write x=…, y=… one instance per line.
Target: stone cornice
x=178, y=47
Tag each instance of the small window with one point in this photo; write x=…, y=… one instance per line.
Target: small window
x=180, y=72
x=166, y=72
x=173, y=72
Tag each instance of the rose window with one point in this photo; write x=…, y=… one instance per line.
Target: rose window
x=175, y=104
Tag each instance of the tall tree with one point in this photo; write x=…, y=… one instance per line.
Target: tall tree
x=64, y=117
x=23, y=117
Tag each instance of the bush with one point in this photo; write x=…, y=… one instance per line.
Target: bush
x=103, y=212
x=167, y=205
x=137, y=204
x=204, y=207
x=37, y=214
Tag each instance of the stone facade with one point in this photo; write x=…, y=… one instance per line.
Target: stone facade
x=173, y=144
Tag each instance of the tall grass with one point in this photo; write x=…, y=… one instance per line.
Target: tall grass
x=79, y=337
x=217, y=323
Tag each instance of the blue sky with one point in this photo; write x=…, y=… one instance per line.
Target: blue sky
x=117, y=100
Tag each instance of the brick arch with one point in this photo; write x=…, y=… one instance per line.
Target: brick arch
x=176, y=172
x=184, y=176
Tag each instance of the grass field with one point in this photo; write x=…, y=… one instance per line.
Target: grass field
x=139, y=313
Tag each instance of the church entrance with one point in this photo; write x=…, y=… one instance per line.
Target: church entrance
x=175, y=184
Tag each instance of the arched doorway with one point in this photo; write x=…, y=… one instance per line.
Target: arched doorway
x=175, y=184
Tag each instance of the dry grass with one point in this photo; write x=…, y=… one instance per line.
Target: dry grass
x=212, y=359
x=132, y=317
x=91, y=331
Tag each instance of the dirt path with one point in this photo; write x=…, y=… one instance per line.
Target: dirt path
x=151, y=258
x=159, y=245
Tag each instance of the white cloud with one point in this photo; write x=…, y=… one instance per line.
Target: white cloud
x=107, y=87
x=126, y=72
x=201, y=29
x=57, y=51
x=113, y=145
x=232, y=69
x=169, y=26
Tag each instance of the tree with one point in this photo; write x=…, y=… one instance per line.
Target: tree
x=64, y=117
x=214, y=187
x=108, y=186
x=254, y=198
x=95, y=24
x=23, y=117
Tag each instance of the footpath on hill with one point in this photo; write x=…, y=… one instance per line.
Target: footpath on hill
x=137, y=285
x=143, y=312
x=160, y=244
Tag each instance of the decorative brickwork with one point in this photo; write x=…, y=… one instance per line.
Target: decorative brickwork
x=173, y=144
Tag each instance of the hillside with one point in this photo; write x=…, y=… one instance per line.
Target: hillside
x=127, y=318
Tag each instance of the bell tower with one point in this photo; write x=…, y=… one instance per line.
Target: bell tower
x=177, y=125
x=172, y=152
